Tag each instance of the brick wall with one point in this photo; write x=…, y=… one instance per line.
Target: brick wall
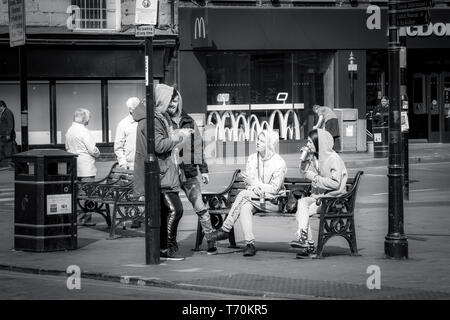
x=51, y=13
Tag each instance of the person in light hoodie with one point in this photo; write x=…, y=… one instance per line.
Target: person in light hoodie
x=264, y=176
x=328, y=176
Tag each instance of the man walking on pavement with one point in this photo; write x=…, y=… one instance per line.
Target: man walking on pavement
x=189, y=169
x=7, y=133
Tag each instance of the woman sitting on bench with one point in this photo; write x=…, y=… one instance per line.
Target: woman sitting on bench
x=264, y=176
x=328, y=175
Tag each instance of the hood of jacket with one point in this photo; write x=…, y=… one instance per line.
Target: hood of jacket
x=272, y=143
x=163, y=95
x=329, y=162
x=326, y=144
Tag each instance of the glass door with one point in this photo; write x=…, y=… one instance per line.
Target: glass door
x=446, y=107
x=433, y=101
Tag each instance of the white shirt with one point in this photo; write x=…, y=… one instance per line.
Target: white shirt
x=125, y=142
x=80, y=141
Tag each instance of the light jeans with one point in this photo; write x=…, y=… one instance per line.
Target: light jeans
x=244, y=207
x=306, y=207
x=192, y=189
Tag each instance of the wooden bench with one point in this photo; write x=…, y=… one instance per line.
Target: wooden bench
x=336, y=214
x=116, y=190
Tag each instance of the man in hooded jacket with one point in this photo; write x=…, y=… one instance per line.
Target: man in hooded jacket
x=193, y=160
x=165, y=141
x=264, y=176
x=328, y=176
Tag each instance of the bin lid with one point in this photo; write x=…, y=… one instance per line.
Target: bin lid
x=44, y=153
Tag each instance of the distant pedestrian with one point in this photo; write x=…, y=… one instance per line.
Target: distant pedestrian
x=7, y=132
x=80, y=142
x=189, y=169
x=327, y=120
x=381, y=112
x=125, y=141
x=328, y=176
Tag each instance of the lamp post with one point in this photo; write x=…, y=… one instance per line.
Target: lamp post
x=352, y=69
x=396, y=243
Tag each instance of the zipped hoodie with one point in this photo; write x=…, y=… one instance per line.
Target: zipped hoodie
x=331, y=177
x=267, y=173
x=168, y=171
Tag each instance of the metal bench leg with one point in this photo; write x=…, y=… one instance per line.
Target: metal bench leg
x=199, y=236
x=232, y=239
x=320, y=239
x=352, y=240
x=108, y=216
x=112, y=229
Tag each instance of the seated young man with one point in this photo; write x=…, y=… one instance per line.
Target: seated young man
x=264, y=176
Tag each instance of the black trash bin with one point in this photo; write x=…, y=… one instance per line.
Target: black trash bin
x=380, y=128
x=45, y=211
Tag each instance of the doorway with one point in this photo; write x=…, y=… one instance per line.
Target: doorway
x=430, y=114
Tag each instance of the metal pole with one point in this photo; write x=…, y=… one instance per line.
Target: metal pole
x=352, y=88
x=152, y=184
x=23, y=96
x=396, y=244
x=403, y=93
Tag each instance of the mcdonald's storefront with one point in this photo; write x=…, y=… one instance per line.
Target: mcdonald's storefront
x=249, y=67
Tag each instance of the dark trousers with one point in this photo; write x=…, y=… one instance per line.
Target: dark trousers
x=171, y=213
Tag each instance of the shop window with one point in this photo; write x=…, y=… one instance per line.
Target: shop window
x=71, y=95
x=95, y=15
x=248, y=92
x=38, y=110
x=118, y=93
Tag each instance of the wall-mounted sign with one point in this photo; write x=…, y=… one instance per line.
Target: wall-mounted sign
x=146, y=12
x=145, y=31
x=199, y=28
x=16, y=13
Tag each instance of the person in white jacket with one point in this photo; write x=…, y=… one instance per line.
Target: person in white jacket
x=264, y=176
x=328, y=176
x=80, y=142
x=125, y=141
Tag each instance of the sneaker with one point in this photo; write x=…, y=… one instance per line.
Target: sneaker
x=249, y=250
x=86, y=221
x=171, y=255
x=219, y=234
x=212, y=249
x=299, y=243
x=136, y=224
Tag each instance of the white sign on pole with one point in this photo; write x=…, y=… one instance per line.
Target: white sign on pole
x=146, y=12
x=16, y=13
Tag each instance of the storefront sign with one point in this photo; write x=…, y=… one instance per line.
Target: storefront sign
x=199, y=29
x=438, y=29
x=302, y=28
x=146, y=12
x=17, y=35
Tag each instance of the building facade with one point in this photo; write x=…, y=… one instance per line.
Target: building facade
x=82, y=54
x=249, y=64
x=241, y=65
